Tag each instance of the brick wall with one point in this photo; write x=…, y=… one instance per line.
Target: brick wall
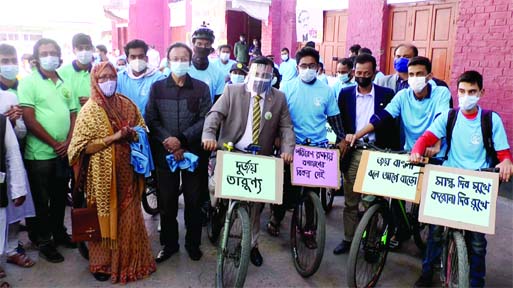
x=149, y=21
x=484, y=42
x=280, y=30
x=367, y=26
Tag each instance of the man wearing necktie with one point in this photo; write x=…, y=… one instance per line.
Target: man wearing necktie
x=251, y=113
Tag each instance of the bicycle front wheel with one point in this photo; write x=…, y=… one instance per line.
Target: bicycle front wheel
x=308, y=234
x=457, y=268
x=149, y=198
x=419, y=230
x=234, y=249
x=369, y=248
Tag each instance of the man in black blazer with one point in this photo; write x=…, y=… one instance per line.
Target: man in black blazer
x=357, y=104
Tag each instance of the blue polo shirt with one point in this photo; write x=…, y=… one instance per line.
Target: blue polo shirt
x=138, y=90
x=288, y=70
x=417, y=115
x=339, y=85
x=225, y=68
x=467, y=147
x=309, y=107
x=211, y=76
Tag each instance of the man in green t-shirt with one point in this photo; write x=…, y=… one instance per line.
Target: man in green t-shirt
x=49, y=111
x=77, y=73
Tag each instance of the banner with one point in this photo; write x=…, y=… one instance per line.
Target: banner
x=249, y=177
x=388, y=175
x=315, y=167
x=459, y=198
x=309, y=21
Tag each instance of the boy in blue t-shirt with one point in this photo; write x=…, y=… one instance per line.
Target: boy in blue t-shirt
x=467, y=151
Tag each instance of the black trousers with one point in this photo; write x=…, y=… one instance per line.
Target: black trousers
x=290, y=198
x=169, y=191
x=48, y=181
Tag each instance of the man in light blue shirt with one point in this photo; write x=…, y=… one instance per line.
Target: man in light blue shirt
x=417, y=106
x=224, y=63
x=345, y=76
x=202, y=69
x=136, y=80
x=311, y=104
x=288, y=70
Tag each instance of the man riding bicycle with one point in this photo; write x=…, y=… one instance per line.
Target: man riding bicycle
x=251, y=113
x=468, y=151
x=311, y=103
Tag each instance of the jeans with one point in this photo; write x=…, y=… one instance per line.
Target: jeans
x=48, y=181
x=476, y=246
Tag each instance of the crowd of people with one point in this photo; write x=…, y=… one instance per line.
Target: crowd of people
x=63, y=122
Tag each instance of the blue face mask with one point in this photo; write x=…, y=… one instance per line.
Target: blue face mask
x=179, y=68
x=401, y=65
x=236, y=78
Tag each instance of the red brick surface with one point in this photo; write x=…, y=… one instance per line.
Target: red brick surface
x=280, y=30
x=484, y=41
x=367, y=26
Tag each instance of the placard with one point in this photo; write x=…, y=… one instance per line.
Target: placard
x=388, y=175
x=249, y=177
x=459, y=198
x=315, y=167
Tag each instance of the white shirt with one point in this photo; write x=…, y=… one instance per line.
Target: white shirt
x=364, y=110
x=8, y=99
x=247, y=137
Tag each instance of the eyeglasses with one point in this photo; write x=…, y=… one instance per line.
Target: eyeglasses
x=308, y=66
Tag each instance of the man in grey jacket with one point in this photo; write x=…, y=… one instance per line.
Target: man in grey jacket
x=175, y=114
x=233, y=116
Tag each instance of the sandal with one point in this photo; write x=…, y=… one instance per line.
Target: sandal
x=5, y=285
x=273, y=229
x=21, y=260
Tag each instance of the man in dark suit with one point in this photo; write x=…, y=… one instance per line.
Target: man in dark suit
x=238, y=118
x=357, y=104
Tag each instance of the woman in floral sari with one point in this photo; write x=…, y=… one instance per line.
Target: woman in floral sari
x=101, y=138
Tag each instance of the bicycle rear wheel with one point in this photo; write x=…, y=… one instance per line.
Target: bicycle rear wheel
x=234, y=249
x=327, y=197
x=456, y=263
x=369, y=248
x=149, y=197
x=308, y=234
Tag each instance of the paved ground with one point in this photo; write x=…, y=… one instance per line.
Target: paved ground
x=401, y=270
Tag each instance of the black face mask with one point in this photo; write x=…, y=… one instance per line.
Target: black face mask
x=200, y=57
x=363, y=81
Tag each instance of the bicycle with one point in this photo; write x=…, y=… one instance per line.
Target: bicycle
x=372, y=239
x=235, y=244
x=454, y=261
x=308, y=227
x=149, y=196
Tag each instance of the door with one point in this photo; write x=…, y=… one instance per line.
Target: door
x=333, y=46
x=431, y=28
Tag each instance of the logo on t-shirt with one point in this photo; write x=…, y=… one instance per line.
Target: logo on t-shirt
x=317, y=101
x=476, y=139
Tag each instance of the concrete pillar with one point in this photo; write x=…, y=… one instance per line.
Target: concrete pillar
x=281, y=29
x=149, y=21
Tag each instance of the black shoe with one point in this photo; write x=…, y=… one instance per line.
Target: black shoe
x=102, y=277
x=342, y=248
x=65, y=241
x=50, y=254
x=256, y=257
x=425, y=280
x=194, y=253
x=165, y=254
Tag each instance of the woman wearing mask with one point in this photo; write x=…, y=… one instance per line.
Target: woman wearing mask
x=100, y=144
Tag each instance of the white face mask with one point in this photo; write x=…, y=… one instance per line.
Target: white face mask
x=9, y=72
x=85, y=57
x=307, y=75
x=224, y=56
x=468, y=102
x=179, y=68
x=417, y=83
x=285, y=57
x=50, y=63
x=236, y=78
x=343, y=77
x=108, y=87
x=138, y=65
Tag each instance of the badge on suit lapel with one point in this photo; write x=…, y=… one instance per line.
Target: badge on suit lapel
x=268, y=115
